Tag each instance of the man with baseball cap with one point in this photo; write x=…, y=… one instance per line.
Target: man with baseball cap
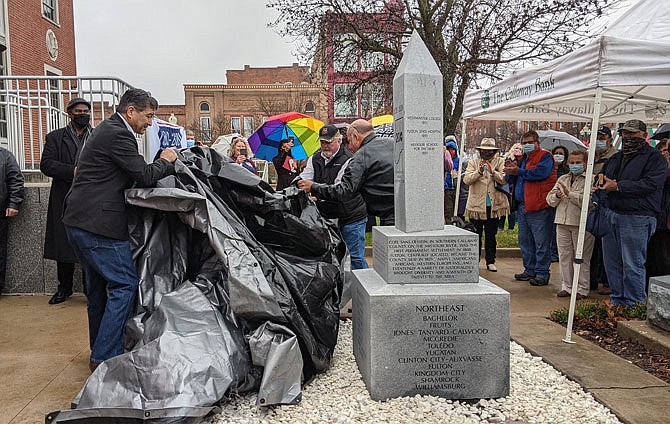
x=326, y=166
x=59, y=157
x=633, y=180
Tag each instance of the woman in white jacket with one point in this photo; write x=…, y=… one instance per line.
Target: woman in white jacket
x=486, y=203
x=566, y=197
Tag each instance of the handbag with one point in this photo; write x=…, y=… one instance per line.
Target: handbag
x=599, y=219
x=502, y=187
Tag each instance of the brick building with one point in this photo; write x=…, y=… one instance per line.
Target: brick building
x=36, y=39
x=250, y=96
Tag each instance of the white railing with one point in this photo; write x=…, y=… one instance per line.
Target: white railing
x=33, y=106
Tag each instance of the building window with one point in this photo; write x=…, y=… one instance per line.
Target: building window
x=346, y=104
x=204, y=107
x=372, y=100
x=50, y=10
x=248, y=126
x=344, y=57
x=55, y=104
x=373, y=61
x=3, y=101
x=309, y=107
x=205, y=128
x=235, y=125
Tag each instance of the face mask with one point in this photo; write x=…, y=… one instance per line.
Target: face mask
x=577, y=169
x=452, y=153
x=517, y=152
x=81, y=120
x=601, y=145
x=528, y=148
x=631, y=144
x=487, y=154
x=559, y=158
x=190, y=143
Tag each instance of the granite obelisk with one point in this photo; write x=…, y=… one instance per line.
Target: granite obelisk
x=424, y=321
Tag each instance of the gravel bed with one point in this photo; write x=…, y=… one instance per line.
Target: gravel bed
x=538, y=394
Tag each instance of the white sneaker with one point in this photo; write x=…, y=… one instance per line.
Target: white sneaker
x=492, y=267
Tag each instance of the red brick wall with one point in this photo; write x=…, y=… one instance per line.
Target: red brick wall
x=294, y=73
x=179, y=111
x=27, y=38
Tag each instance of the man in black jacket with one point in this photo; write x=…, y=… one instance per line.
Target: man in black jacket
x=634, y=179
x=59, y=157
x=324, y=166
x=96, y=221
x=11, y=197
x=370, y=173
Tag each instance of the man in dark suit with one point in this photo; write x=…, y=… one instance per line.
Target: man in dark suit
x=59, y=157
x=96, y=222
x=11, y=197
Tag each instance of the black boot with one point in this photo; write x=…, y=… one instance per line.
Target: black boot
x=60, y=297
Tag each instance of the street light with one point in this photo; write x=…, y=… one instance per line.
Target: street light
x=585, y=132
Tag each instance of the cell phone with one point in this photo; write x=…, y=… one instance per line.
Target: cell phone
x=243, y=152
x=291, y=139
x=601, y=179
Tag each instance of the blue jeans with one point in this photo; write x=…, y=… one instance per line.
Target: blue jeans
x=535, y=230
x=111, y=281
x=354, y=237
x=624, y=256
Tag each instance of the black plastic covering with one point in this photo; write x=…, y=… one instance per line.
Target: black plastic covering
x=239, y=291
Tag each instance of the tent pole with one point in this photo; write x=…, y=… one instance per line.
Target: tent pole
x=460, y=168
x=586, y=201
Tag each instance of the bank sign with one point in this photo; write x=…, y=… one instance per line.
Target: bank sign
x=496, y=96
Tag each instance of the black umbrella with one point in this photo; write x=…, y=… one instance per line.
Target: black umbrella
x=662, y=132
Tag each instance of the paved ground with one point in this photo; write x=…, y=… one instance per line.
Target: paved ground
x=44, y=354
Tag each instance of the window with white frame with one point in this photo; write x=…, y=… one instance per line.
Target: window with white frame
x=372, y=99
x=248, y=126
x=345, y=58
x=50, y=10
x=55, y=98
x=309, y=107
x=205, y=128
x=373, y=61
x=346, y=103
x=235, y=124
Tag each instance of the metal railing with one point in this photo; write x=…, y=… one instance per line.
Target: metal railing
x=33, y=106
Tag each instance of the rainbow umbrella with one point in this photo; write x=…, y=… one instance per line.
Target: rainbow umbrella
x=304, y=130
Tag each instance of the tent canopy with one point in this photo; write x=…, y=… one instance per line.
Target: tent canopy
x=631, y=67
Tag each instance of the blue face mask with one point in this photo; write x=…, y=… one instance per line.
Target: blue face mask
x=528, y=148
x=577, y=169
x=190, y=143
x=601, y=145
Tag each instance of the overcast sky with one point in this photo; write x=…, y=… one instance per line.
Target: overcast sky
x=159, y=45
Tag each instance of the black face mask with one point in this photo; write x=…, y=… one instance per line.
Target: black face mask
x=487, y=154
x=82, y=120
x=631, y=144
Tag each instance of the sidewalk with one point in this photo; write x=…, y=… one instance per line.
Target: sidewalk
x=44, y=354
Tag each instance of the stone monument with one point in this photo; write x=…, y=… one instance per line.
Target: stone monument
x=658, y=303
x=424, y=321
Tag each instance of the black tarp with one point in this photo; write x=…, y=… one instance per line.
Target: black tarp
x=239, y=290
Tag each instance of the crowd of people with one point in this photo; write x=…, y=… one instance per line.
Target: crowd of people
x=351, y=179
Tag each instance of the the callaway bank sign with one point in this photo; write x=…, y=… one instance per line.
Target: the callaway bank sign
x=497, y=96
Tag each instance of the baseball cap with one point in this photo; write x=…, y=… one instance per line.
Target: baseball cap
x=328, y=132
x=77, y=101
x=633, y=125
x=605, y=130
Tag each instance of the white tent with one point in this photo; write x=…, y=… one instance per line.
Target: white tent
x=623, y=74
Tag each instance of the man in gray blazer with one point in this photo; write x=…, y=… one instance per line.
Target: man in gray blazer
x=96, y=221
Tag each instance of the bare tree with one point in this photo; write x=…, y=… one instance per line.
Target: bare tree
x=218, y=126
x=472, y=41
x=273, y=103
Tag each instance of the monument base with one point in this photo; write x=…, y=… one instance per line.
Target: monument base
x=658, y=303
x=449, y=340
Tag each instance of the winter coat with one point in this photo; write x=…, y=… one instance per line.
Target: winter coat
x=11, y=182
x=370, y=173
x=449, y=183
x=58, y=161
x=480, y=185
x=640, y=182
x=568, y=209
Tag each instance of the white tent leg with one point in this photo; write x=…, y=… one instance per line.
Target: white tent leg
x=460, y=168
x=586, y=200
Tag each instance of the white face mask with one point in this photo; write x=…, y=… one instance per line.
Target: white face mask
x=559, y=158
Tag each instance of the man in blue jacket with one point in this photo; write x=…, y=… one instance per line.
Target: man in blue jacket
x=633, y=180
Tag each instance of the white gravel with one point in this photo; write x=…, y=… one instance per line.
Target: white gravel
x=538, y=394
